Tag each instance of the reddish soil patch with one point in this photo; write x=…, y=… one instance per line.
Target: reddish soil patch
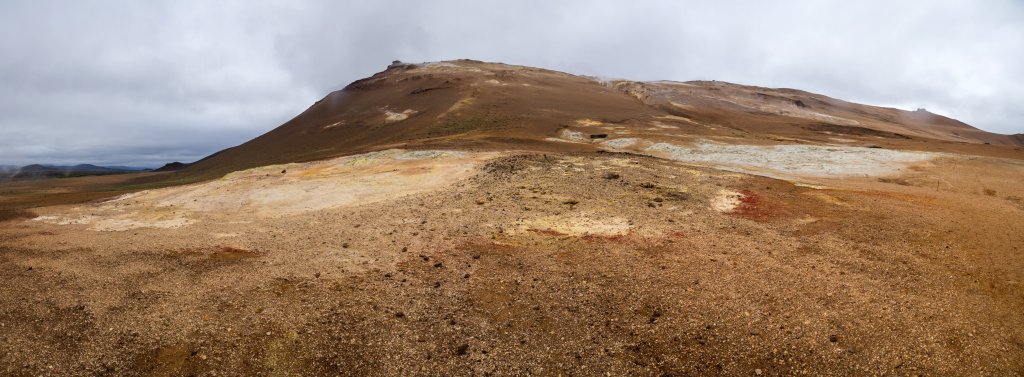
x=750, y=205
x=547, y=232
x=233, y=250
x=229, y=253
x=753, y=207
x=598, y=237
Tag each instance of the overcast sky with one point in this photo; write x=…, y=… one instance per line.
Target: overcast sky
x=147, y=82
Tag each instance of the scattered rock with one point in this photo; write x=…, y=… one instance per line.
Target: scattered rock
x=655, y=315
x=677, y=195
x=898, y=181
x=462, y=350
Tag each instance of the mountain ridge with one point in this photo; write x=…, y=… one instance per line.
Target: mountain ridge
x=56, y=171
x=474, y=104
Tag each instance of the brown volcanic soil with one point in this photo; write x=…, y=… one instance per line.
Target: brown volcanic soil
x=588, y=263
x=527, y=247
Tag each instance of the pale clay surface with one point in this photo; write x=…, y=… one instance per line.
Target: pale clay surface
x=787, y=161
x=280, y=190
x=793, y=160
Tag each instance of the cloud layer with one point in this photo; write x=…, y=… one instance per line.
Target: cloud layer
x=145, y=83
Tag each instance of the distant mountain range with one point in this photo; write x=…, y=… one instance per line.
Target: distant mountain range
x=60, y=171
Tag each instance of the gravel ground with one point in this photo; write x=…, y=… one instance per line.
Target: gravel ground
x=581, y=264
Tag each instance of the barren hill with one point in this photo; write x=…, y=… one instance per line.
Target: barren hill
x=474, y=104
x=798, y=113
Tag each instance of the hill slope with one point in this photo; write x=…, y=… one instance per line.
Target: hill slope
x=471, y=104
x=465, y=102
x=760, y=110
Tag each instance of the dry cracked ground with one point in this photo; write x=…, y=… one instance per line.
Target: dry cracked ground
x=646, y=259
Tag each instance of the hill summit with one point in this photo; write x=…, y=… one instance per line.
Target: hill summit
x=473, y=104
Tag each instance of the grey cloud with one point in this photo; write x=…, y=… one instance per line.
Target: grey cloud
x=149, y=82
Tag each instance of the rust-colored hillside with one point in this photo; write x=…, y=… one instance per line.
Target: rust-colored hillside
x=468, y=103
